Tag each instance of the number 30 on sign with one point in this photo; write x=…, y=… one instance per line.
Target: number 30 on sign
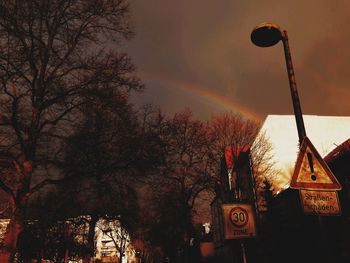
x=239, y=216
x=238, y=221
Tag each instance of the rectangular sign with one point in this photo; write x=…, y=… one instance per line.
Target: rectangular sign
x=320, y=202
x=239, y=221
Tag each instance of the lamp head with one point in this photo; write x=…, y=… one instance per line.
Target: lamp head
x=266, y=34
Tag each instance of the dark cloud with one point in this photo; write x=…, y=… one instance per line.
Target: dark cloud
x=207, y=43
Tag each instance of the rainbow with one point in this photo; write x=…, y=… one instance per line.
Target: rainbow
x=207, y=94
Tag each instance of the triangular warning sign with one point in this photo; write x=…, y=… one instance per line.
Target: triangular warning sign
x=311, y=171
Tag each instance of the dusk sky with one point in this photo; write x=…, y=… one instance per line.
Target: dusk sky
x=198, y=54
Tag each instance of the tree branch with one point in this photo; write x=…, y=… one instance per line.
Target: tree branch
x=7, y=189
x=45, y=183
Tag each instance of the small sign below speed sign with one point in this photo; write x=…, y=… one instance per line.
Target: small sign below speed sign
x=238, y=221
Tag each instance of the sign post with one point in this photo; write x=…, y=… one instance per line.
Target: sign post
x=317, y=187
x=316, y=183
x=266, y=35
x=239, y=223
x=320, y=202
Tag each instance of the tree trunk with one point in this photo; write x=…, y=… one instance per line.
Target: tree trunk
x=66, y=255
x=16, y=225
x=13, y=230
x=91, y=239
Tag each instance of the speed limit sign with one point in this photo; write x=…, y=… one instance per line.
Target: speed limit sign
x=239, y=216
x=238, y=221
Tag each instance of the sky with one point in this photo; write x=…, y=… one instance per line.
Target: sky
x=198, y=54
x=325, y=133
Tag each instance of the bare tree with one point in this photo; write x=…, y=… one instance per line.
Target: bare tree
x=111, y=149
x=236, y=131
x=263, y=171
x=192, y=150
x=231, y=129
x=181, y=179
x=188, y=165
x=55, y=56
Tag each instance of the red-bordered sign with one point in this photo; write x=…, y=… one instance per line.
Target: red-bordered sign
x=239, y=216
x=239, y=221
x=311, y=172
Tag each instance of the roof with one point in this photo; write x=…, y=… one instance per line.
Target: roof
x=231, y=155
x=338, y=151
x=325, y=133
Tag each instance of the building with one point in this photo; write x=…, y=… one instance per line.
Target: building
x=325, y=133
x=113, y=241
x=284, y=232
x=294, y=235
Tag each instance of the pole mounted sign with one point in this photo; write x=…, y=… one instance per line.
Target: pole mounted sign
x=238, y=221
x=320, y=202
x=311, y=171
x=316, y=182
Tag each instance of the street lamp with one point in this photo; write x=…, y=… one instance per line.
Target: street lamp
x=266, y=35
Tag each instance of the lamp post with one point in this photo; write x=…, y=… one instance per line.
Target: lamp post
x=267, y=35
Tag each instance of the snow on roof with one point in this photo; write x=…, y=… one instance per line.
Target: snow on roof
x=325, y=133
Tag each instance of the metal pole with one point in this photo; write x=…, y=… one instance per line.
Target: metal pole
x=293, y=89
x=244, y=257
x=302, y=132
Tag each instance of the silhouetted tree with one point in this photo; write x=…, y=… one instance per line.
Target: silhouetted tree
x=179, y=182
x=57, y=241
x=231, y=129
x=183, y=186
x=55, y=56
x=110, y=148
